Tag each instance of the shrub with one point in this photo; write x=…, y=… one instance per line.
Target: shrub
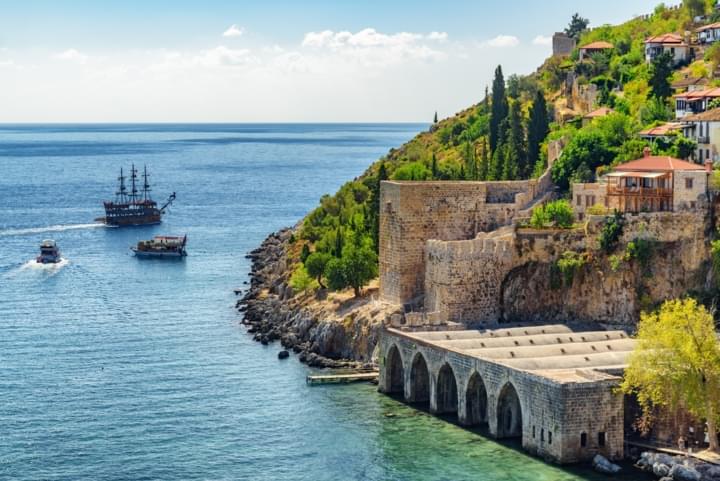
x=611, y=232
x=412, y=171
x=335, y=274
x=553, y=214
x=569, y=264
x=640, y=250
x=597, y=209
x=304, y=253
x=300, y=280
x=615, y=262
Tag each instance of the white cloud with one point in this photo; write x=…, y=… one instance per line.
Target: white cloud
x=72, y=55
x=542, y=40
x=503, y=41
x=365, y=38
x=439, y=36
x=233, y=31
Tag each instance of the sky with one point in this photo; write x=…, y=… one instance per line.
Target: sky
x=271, y=60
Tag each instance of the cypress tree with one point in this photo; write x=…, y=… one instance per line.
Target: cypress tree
x=498, y=109
x=435, y=118
x=433, y=167
x=516, y=144
x=339, y=241
x=538, y=128
x=495, y=171
x=484, y=161
x=470, y=161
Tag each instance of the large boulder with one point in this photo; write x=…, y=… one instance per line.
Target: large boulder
x=660, y=470
x=682, y=473
x=602, y=465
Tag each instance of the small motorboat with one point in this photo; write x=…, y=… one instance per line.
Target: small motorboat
x=161, y=246
x=49, y=252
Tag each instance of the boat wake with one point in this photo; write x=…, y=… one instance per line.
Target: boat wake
x=52, y=228
x=47, y=270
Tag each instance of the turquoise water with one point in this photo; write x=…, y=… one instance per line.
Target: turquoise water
x=114, y=368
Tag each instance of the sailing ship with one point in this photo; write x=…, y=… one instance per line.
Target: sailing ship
x=161, y=246
x=134, y=207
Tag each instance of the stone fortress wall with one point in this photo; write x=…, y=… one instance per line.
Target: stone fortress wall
x=455, y=251
x=411, y=213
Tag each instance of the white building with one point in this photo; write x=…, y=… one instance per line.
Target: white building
x=667, y=43
x=704, y=128
x=708, y=33
x=695, y=102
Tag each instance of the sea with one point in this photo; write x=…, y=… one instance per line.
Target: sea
x=119, y=368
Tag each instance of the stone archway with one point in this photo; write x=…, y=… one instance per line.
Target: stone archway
x=476, y=401
x=509, y=413
x=419, y=381
x=394, y=372
x=446, y=396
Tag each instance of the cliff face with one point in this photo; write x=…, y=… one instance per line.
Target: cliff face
x=326, y=329
x=614, y=295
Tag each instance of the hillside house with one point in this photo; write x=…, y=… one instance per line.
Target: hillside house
x=596, y=114
x=708, y=33
x=695, y=102
x=649, y=184
x=704, y=128
x=586, y=51
x=667, y=43
x=661, y=132
x=690, y=84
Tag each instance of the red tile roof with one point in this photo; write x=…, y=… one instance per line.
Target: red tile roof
x=601, y=112
x=667, y=38
x=657, y=164
x=712, y=26
x=700, y=94
x=662, y=130
x=600, y=45
x=712, y=115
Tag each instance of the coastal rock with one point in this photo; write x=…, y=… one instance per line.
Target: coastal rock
x=683, y=473
x=283, y=355
x=660, y=470
x=602, y=465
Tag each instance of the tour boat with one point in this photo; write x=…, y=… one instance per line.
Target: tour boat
x=161, y=246
x=49, y=253
x=134, y=207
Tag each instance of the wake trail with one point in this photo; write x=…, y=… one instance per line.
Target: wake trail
x=52, y=228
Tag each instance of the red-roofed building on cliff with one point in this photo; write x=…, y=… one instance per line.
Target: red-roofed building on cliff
x=649, y=184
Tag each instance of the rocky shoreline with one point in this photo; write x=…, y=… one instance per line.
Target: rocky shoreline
x=273, y=312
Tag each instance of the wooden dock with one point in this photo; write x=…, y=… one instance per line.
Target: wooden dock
x=366, y=376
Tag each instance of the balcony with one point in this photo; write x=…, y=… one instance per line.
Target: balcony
x=702, y=140
x=639, y=191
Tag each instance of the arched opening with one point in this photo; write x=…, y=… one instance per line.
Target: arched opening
x=476, y=401
x=394, y=371
x=509, y=413
x=419, y=381
x=447, y=398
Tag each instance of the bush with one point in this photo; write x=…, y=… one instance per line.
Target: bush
x=640, y=250
x=611, y=232
x=553, y=214
x=300, y=280
x=412, y=171
x=569, y=264
x=597, y=209
x=335, y=274
x=304, y=253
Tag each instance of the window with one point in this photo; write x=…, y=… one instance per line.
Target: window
x=533, y=432
x=549, y=437
x=583, y=440
x=688, y=183
x=700, y=153
x=601, y=439
x=579, y=199
x=707, y=154
x=692, y=204
x=542, y=435
x=587, y=200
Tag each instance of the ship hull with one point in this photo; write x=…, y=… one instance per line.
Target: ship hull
x=171, y=255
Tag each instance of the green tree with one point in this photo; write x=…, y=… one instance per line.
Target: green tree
x=676, y=363
x=683, y=148
x=516, y=147
x=577, y=26
x=553, y=214
x=696, y=8
x=360, y=265
x=538, y=128
x=300, y=280
x=484, y=164
x=498, y=109
x=435, y=120
x=315, y=265
x=434, y=167
x=335, y=274
x=304, y=253
x=661, y=70
x=470, y=163
x=656, y=109
x=412, y=171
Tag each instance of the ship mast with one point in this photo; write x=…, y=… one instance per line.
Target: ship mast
x=133, y=191
x=122, y=192
x=146, y=186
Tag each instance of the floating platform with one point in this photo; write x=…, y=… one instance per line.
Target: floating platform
x=365, y=376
